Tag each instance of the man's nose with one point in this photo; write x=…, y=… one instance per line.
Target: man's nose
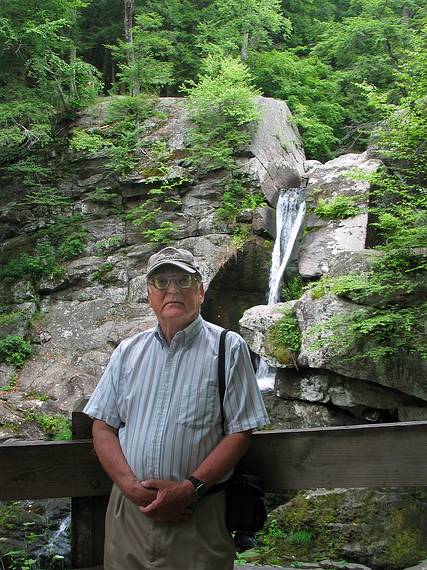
x=172, y=287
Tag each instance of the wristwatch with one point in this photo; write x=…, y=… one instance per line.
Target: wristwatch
x=199, y=487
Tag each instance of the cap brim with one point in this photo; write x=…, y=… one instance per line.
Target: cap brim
x=175, y=263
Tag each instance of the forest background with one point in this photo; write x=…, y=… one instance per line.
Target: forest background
x=344, y=67
x=333, y=62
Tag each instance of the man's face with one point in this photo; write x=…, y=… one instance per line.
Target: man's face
x=174, y=305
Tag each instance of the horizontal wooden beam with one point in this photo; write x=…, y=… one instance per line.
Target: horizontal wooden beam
x=380, y=455
x=47, y=469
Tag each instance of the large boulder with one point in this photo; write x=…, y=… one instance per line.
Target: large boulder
x=367, y=401
x=278, y=155
x=321, y=347
x=325, y=238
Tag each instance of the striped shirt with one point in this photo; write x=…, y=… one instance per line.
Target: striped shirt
x=164, y=399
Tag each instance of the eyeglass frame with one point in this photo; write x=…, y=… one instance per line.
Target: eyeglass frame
x=193, y=280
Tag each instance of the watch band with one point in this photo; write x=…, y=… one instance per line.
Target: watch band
x=199, y=486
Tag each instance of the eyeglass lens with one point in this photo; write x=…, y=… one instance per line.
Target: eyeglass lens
x=181, y=281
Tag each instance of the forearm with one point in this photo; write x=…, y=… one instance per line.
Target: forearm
x=173, y=498
x=112, y=459
x=223, y=458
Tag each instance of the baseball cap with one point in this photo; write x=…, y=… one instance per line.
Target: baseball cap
x=172, y=256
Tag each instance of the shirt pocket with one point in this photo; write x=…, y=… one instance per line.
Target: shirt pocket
x=199, y=407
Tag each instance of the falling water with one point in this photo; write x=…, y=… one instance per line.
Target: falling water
x=290, y=211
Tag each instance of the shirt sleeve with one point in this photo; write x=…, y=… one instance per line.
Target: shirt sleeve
x=243, y=404
x=104, y=402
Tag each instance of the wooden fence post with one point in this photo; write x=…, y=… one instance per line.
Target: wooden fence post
x=87, y=513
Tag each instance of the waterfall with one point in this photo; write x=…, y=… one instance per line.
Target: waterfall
x=290, y=211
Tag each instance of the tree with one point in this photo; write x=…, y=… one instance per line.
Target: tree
x=221, y=106
x=368, y=44
x=145, y=63
x=311, y=91
x=233, y=27
x=38, y=72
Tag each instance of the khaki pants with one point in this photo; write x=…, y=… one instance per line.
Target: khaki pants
x=135, y=542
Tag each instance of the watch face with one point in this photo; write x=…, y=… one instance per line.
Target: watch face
x=199, y=487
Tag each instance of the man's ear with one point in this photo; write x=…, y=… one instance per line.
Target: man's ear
x=202, y=292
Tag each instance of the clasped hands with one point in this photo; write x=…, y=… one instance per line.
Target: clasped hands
x=167, y=501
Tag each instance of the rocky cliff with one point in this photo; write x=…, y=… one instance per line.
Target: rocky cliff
x=74, y=256
x=76, y=314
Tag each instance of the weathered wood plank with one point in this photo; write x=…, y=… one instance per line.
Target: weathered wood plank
x=43, y=469
x=87, y=530
x=87, y=513
x=380, y=455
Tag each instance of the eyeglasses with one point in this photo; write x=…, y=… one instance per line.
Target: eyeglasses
x=162, y=282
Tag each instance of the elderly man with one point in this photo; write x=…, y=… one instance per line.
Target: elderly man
x=158, y=430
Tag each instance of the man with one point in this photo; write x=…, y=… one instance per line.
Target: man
x=158, y=431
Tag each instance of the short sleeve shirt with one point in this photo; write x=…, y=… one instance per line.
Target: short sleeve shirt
x=164, y=399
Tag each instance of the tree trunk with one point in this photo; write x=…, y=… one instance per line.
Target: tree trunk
x=135, y=89
x=73, y=83
x=244, y=47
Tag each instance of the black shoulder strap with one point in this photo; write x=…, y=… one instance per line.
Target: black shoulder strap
x=221, y=373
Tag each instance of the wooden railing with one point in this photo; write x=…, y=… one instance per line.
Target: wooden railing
x=379, y=455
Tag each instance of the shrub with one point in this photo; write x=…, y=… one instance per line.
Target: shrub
x=57, y=427
x=221, y=106
x=338, y=207
x=284, y=338
x=89, y=143
x=14, y=350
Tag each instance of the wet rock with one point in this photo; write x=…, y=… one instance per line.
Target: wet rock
x=255, y=323
x=365, y=400
x=296, y=414
x=326, y=239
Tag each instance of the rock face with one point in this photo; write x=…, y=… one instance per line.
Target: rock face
x=381, y=529
x=332, y=374
x=278, y=155
x=76, y=317
x=325, y=239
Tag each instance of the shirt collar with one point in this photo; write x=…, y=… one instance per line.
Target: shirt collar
x=184, y=337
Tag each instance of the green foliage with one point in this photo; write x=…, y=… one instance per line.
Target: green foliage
x=405, y=542
x=240, y=235
x=102, y=272
x=144, y=63
x=374, y=333
x=88, y=143
x=284, y=338
x=337, y=207
x=110, y=244
x=292, y=288
x=11, y=318
x=47, y=196
x=56, y=427
x=222, y=109
x=302, y=537
x=130, y=109
x=236, y=198
x=60, y=241
x=162, y=234
x=19, y=560
x=101, y=195
x=310, y=89
x=232, y=27
x=14, y=350
x=124, y=119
